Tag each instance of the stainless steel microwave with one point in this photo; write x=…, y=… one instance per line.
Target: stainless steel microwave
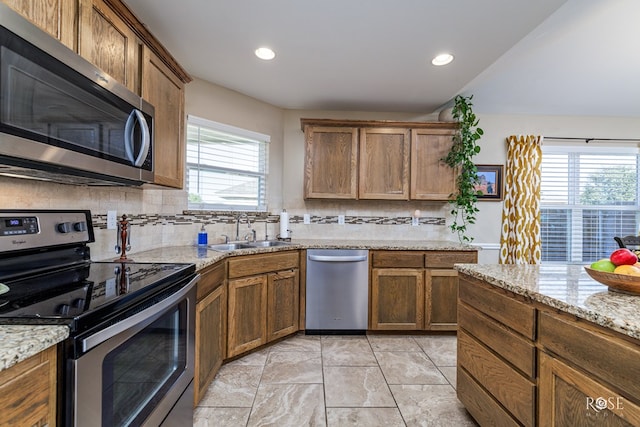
x=62, y=119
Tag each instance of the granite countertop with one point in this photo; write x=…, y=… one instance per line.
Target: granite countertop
x=567, y=288
x=202, y=258
x=19, y=342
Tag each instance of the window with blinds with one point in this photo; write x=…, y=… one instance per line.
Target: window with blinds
x=226, y=166
x=588, y=196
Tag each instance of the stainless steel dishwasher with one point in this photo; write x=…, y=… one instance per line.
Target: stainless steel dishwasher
x=337, y=297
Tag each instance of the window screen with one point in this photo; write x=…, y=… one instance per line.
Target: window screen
x=588, y=196
x=226, y=166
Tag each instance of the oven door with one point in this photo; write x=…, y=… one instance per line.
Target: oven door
x=135, y=372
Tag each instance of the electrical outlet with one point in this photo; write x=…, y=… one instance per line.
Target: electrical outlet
x=307, y=219
x=112, y=220
x=340, y=219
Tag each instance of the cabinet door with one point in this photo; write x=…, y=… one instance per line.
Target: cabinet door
x=569, y=397
x=283, y=309
x=331, y=159
x=441, y=299
x=162, y=89
x=211, y=339
x=28, y=391
x=384, y=164
x=431, y=178
x=106, y=41
x=247, y=316
x=56, y=17
x=397, y=299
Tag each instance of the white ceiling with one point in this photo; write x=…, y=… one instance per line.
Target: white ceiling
x=514, y=56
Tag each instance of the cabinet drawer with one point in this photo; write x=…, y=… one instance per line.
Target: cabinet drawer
x=515, y=392
x=480, y=404
x=446, y=259
x=511, y=347
x=496, y=304
x=211, y=277
x=258, y=264
x=617, y=361
x=397, y=259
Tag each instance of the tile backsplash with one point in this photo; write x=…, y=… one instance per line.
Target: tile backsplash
x=158, y=216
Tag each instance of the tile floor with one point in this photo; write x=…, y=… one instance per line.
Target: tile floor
x=306, y=380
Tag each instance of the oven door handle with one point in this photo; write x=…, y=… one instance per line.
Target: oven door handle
x=142, y=318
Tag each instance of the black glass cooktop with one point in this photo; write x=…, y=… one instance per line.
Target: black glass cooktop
x=91, y=289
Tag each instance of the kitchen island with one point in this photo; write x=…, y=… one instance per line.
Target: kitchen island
x=546, y=345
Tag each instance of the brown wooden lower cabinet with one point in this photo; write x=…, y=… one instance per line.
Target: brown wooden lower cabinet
x=28, y=391
x=283, y=306
x=415, y=290
x=570, y=397
x=397, y=299
x=521, y=362
x=247, y=326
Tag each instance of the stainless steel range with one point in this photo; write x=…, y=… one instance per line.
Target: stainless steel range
x=129, y=359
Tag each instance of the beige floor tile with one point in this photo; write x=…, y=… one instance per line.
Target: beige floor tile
x=221, y=417
x=440, y=348
x=430, y=405
x=259, y=358
x=234, y=386
x=284, y=405
x=355, y=352
x=356, y=386
x=359, y=417
x=408, y=367
x=450, y=374
x=293, y=367
x=393, y=343
x=299, y=342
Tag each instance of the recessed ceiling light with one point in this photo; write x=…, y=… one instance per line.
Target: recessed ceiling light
x=442, y=59
x=265, y=53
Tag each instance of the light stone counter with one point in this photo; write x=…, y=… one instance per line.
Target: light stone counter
x=202, y=258
x=567, y=288
x=19, y=342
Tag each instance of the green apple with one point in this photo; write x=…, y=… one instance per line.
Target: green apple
x=603, y=264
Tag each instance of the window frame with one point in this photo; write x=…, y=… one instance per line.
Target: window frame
x=261, y=175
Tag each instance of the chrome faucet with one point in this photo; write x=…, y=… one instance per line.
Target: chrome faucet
x=238, y=218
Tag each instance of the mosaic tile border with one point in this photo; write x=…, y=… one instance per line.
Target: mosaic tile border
x=190, y=218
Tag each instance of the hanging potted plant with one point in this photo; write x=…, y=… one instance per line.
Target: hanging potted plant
x=465, y=147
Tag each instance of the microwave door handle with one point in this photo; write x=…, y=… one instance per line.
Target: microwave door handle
x=136, y=116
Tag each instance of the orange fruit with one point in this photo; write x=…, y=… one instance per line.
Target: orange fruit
x=629, y=270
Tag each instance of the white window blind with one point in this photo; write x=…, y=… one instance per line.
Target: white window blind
x=588, y=196
x=226, y=166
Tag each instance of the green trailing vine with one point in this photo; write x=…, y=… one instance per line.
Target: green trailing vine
x=465, y=147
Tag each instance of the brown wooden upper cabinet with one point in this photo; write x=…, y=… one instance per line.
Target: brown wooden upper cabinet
x=56, y=17
x=384, y=163
x=106, y=41
x=331, y=159
x=381, y=160
x=431, y=178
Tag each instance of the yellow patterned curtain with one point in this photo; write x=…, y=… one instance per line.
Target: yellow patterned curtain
x=520, y=236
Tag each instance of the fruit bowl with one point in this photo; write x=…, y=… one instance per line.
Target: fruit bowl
x=624, y=283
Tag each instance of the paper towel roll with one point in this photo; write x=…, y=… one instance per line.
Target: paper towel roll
x=284, y=224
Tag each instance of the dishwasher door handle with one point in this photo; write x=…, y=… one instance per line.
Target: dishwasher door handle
x=333, y=258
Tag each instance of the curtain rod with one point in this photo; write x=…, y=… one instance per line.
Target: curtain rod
x=588, y=140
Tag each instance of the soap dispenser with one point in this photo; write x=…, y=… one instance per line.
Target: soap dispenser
x=202, y=237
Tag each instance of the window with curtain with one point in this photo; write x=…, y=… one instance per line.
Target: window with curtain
x=226, y=166
x=588, y=195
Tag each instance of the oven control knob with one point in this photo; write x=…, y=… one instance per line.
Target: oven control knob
x=78, y=303
x=80, y=226
x=63, y=309
x=65, y=227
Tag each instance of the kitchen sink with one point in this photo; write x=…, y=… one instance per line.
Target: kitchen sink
x=268, y=243
x=230, y=246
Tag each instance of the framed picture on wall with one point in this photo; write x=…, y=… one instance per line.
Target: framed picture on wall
x=490, y=182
